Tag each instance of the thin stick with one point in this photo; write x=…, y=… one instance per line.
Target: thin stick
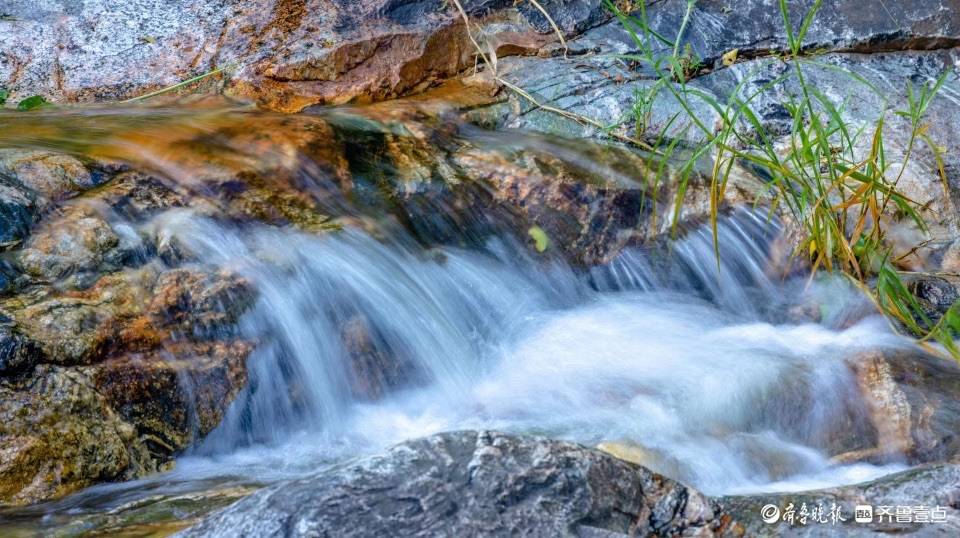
x=554, y=25
x=575, y=117
x=176, y=86
x=466, y=22
x=524, y=94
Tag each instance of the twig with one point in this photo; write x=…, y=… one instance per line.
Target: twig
x=177, y=85
x=584, y=120
x=554, y=25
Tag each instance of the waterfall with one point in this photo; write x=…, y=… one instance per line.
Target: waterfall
x=398, y=295
x=663, y=348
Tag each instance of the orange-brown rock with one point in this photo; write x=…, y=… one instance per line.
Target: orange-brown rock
x=285, y=54
x=176, y=394
x=911, y=398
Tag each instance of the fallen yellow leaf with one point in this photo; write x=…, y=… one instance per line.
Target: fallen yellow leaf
x=730, y=57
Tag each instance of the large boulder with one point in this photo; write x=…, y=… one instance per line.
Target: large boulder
x=913, y=404
x=285, y=54
x=864, y=64
x=146, y=361
x=756, y=26
x=58, y=435
x=474, y=484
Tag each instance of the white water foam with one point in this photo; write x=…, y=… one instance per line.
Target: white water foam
x=675, y=362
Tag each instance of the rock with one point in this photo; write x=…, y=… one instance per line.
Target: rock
x=285, y=54
x=53, y=175
x=63, y=429
x=57, y=435
x=911, y=399
x=137, y=196
x=197, y=303
x=79, y=327
x=17, y=354
x=884, y=57
x=10, y=278
x=591, y=215
x=889, y=74
x=174, y=396
x=70, y=331
x=448, y=183
x=935, y=487
x=374, y=371
x=936, y=293
x=950, y=260
x=755, y=27
x=18, y=212
x=136, y=309
x=474, y=484
x=143, y=368
x=161, y=514
x=79, y=240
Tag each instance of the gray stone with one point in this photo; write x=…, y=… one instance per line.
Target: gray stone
x=77, y=240
x=864, y=85
x=17, y=353
x=474, y=484
x=18, y=212
x=756, y=26
x=931, y=487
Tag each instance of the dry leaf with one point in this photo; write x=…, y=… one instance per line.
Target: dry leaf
x=730, y=57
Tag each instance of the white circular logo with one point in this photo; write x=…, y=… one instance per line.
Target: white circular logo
x=770, y=513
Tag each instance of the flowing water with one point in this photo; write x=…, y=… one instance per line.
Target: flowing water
x=710, y=373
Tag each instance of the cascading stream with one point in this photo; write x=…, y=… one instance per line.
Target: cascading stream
x=662, y=352
x=399, y=294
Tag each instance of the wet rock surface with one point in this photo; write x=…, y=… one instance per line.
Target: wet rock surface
x=59, y=435
x=474, y=484
x=74, y=242
x=111, y=363
x=912, y=403
x=18, y=212
x=935, y=487
x=50, y=174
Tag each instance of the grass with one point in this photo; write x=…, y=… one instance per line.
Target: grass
x=843, y=199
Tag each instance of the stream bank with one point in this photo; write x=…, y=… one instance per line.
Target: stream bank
x=148, y=316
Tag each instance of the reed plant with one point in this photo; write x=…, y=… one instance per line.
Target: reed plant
x=840, y=197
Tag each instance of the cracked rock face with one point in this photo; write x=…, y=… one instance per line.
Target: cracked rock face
x=286, y=54
x=756, y=26
x=474, y=484
x=863, y=63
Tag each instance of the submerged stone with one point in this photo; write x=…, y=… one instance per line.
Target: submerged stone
x=53, y=175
